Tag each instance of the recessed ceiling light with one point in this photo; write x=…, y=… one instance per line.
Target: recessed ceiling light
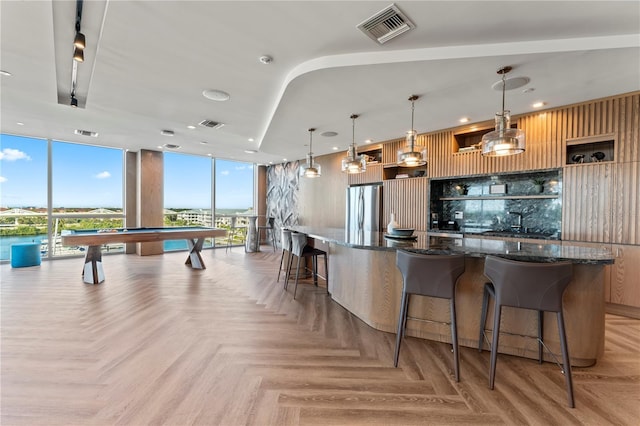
x=368, y=141
x=171, y=146
x=20, y=123
x=528, y=90
x=270, y=162
x=266, y=59
x=538, y=104
x=166, y=132
x=6, y=73
x=250, y=139
x=335, y=148
x=216, y=95
x=329, y=134
x=210, y=155
x=204, y=142
x=464, y=120
x=284, y=159
x=191, y=127
x=250, y=151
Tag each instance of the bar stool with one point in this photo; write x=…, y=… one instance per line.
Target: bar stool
x=301, y=249
x=286, y=250
x=234, y=231
x=527, y=285
x=269, y=231
x=433, y=275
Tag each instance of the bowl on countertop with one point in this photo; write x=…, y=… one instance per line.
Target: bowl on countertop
x=402, y=232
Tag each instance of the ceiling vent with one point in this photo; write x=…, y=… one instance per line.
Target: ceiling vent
x=211, y=124
x=386, y=24
x=86, y=133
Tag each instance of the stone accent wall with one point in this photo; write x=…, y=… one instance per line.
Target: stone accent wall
x=282, y=194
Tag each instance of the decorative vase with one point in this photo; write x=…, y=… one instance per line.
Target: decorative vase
x=539, y=188
x=392, y=225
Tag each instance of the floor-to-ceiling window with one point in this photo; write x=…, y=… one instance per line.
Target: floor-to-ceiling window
x=234, y=194
x=50, y=187
x=187, y=194
x=23, y=192
x=86, y=193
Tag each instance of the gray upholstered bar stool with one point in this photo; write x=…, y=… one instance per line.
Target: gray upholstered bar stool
x=433, y=275
x=527, y=285
x=302, y=250
x=285, y=239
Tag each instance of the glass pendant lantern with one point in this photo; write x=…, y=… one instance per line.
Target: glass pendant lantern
x=412, y=155
x=353, y=163
x=503, y=140
x=310, y=169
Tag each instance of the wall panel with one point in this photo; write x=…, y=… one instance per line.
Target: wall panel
x=626, y=205
x=587, y=202
x=408, y=200
x=371, y=175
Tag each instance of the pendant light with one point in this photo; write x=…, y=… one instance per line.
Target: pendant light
x=409, y=156
x=310, y=170
x=353, y=163
x=503, y=140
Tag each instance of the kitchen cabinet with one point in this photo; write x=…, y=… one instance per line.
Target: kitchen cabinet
x=373, y=174
x=626, y=204
x=625, y=278
x=408, y=200
x=586, y=202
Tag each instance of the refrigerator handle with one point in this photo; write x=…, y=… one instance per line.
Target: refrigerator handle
x=360, y=208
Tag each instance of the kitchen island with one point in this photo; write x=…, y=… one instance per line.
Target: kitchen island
x=364, y=279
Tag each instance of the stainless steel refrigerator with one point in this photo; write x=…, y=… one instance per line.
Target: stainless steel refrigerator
x=364, y=208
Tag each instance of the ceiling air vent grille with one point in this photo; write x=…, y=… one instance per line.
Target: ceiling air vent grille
x=386, y=24
x=211, y=124
x=86, y=133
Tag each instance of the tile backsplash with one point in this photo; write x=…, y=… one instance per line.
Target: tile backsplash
x=499, y=202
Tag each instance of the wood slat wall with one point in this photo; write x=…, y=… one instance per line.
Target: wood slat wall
x=626, y=204
x=371, y=175
x=586, y=202
x=408, y=200
x=588, y=209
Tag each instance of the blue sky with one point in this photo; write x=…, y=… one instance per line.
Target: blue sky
x=91, y=176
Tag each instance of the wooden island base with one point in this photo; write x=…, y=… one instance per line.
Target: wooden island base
x=368, y=284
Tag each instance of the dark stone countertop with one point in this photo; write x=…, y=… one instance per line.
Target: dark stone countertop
x=475, y=247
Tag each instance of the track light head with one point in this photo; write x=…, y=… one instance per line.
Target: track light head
x=79, y=40
x=78, y=55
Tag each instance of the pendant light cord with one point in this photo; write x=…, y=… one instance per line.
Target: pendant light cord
x=504, y=87
x=412, y=137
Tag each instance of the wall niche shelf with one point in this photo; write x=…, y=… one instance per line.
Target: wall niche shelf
x=471, y=140
x=391, y=171
x=592, y=149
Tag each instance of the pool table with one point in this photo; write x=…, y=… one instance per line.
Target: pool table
x=93, y=272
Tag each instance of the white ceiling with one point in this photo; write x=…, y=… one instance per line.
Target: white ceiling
x=147, y=63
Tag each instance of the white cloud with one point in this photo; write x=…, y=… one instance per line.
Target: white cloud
x=3, y=179
x=10, y=154
x=103, y=175
x=224, y=172
x=240, y=167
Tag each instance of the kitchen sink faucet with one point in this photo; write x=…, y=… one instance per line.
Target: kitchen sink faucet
x=518, y=226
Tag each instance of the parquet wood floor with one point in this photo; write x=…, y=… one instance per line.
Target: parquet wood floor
x=160, y=344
